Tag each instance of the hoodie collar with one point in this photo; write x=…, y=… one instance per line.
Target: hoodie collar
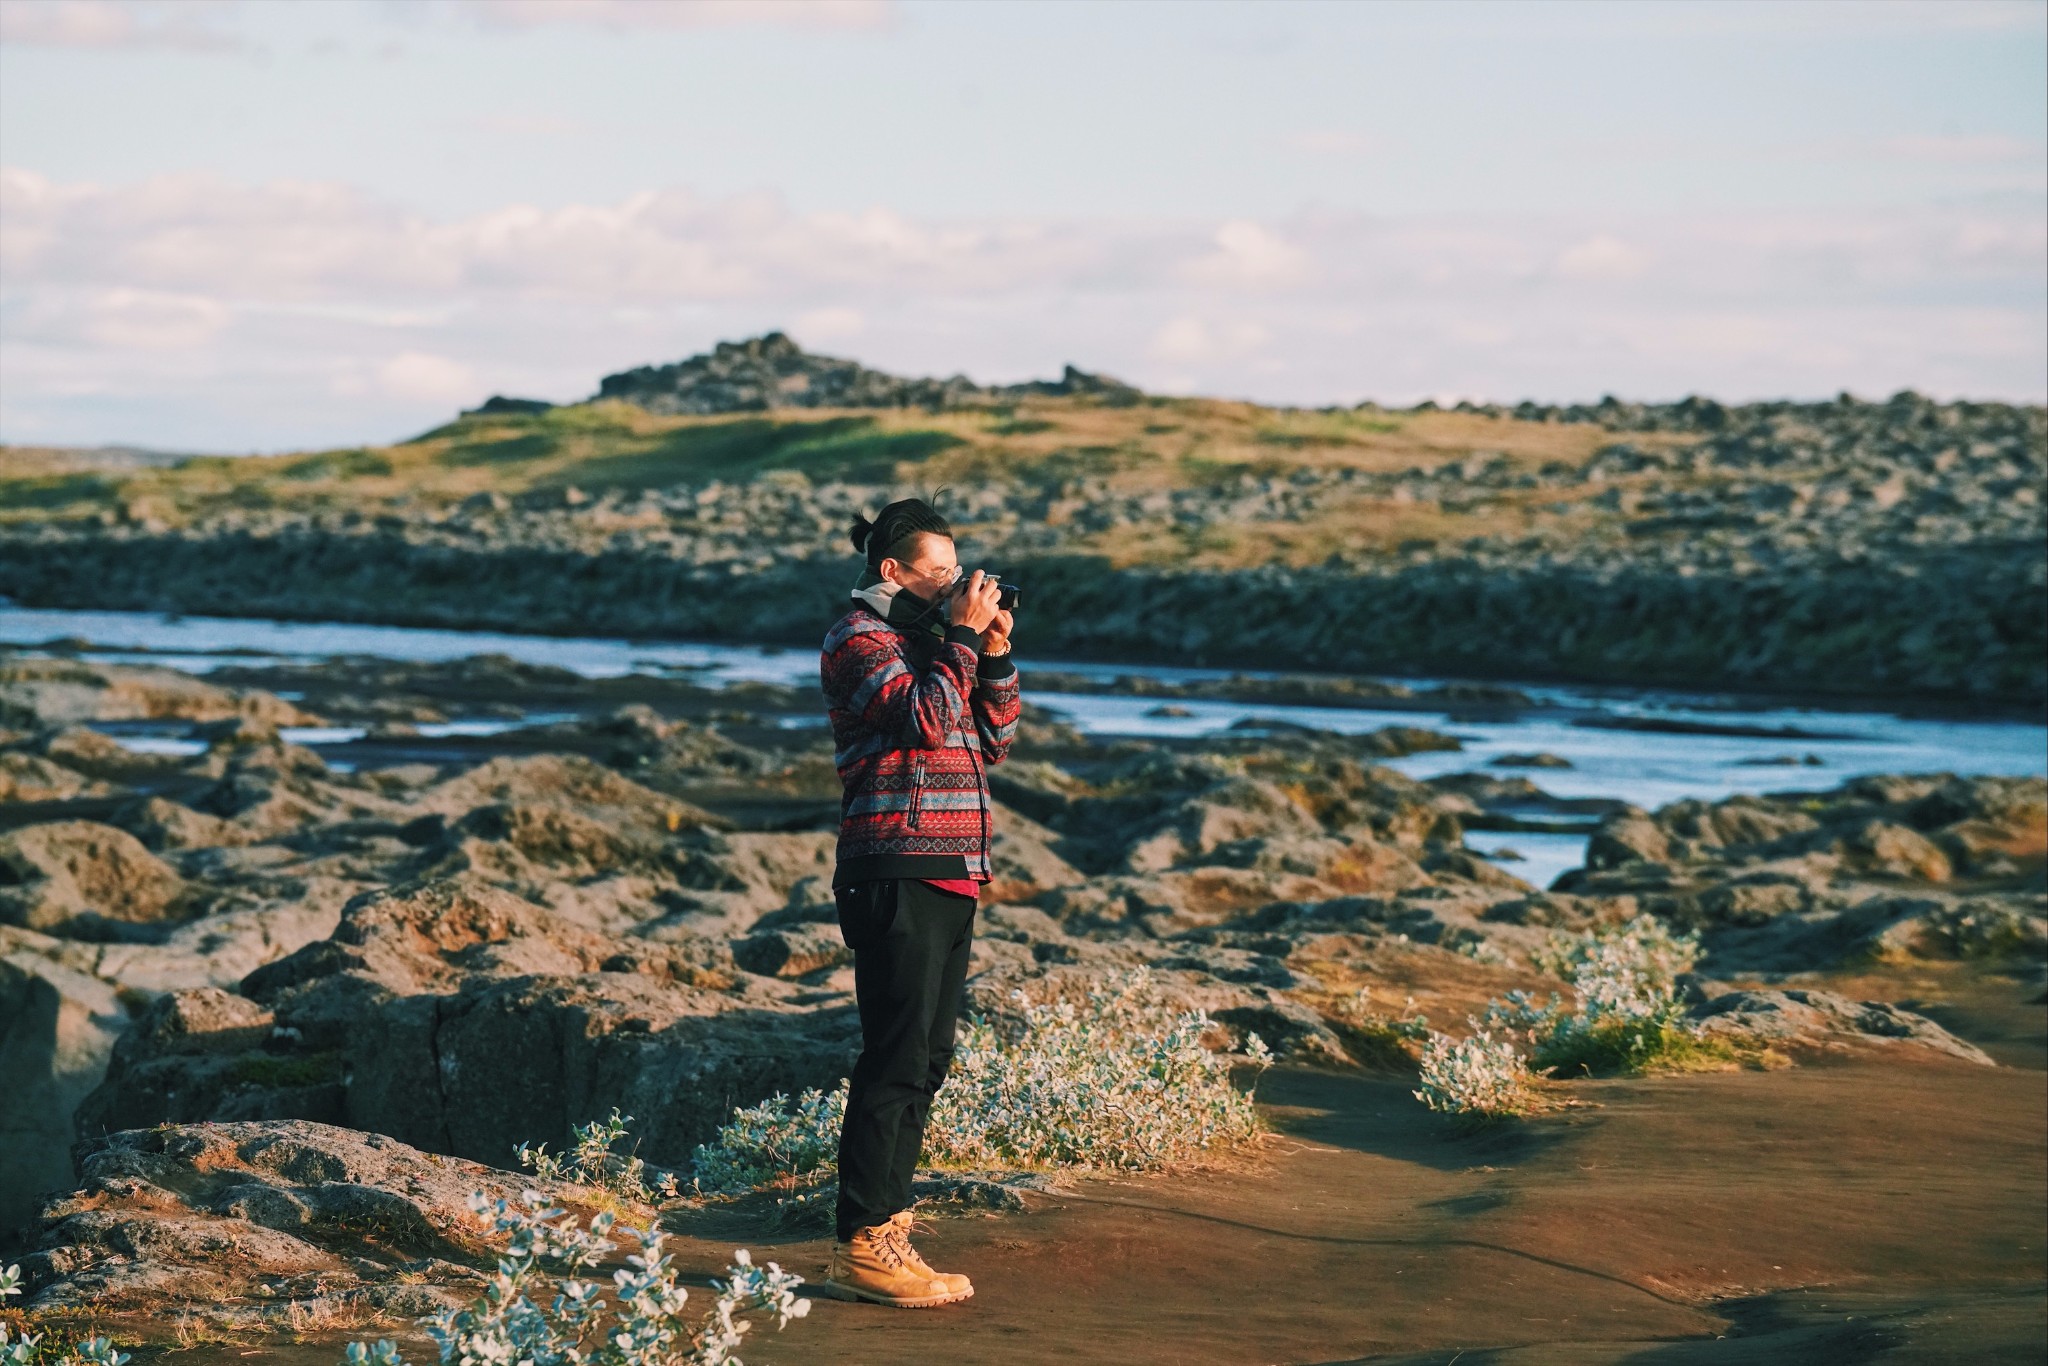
x=896, y=605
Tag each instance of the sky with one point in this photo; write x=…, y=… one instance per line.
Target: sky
x=241, y=225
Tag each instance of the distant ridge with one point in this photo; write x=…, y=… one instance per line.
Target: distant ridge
x=771, y=371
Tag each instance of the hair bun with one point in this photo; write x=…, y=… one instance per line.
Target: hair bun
x=860, y=531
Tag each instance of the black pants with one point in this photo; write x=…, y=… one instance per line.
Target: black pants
x=910, y=945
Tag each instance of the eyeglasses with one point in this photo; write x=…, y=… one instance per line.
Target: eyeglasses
x=944, y=579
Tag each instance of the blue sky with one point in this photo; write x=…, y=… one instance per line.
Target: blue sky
x=267, y=225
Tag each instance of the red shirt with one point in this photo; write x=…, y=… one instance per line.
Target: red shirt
x=962, y=886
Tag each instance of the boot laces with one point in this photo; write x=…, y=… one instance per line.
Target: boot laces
x=898, y=1239
x=911, y=1256
x=884, y=1238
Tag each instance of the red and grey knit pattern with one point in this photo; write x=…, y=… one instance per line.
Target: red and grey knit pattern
x=914, y=721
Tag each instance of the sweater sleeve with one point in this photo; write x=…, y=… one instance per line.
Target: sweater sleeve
x=998, y=703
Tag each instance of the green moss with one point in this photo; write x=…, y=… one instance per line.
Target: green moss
x=502, y=449
x=1630, y=1048
x=53, y=491
x=266, y=1069
x=1379, y=1045
x=338, y=465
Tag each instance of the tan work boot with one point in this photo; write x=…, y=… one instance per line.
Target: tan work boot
x=872, y=1267
x=904, y=1221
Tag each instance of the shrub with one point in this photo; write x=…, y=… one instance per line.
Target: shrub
x=23, y=1348
x=1480, y=1077
x=1119, y=1081
x=590, y=1161
x=1628, y=1015
x=774, y=1143
x=644, y=1323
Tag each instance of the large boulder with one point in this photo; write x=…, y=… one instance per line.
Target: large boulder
x=456, y=1016
x=34, y=778
x=86, y=880
x=1802, y=1019
x=267, y=1226
x=64, y=691
x=58, y=1025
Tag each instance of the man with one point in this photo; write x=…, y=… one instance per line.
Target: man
x=923, y=694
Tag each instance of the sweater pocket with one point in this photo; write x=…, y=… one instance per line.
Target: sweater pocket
x=916, y=789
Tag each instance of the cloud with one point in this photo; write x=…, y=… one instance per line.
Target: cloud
x=827, y=325
x=186, y=24
x=1190, y=340
x=527, y=125
x=293, y=313
x=1977, y=148
x=1249, y=254
x=631, y=15
x=1338, y=142
x=422, y=375
x=1601, y=257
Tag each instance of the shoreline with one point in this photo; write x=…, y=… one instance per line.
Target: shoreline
x=21, y=585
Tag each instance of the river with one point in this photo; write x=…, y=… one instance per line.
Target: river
x=1647, y=768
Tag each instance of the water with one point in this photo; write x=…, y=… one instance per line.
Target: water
x=1645, y=768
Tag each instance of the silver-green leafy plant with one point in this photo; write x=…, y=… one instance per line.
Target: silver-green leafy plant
x=774, y=1143
x=1626, y=1015
x=1480, y=1077
x=1120, y=1080
x=591, y=1161
x=31, y=1349
x=528, y=1316
x=1627, y=1012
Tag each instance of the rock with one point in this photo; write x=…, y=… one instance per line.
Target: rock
x=1896, y=851
x=1539, y=760
x=267, y=1226
x=1822, y=1019
x=1233, y=811
x=791, y=952
x=1627, y=838
x=1755, y=899
x=85, y=880
x=459, y=1018
x=771, y=372
x=87, y=751
x=1023, y=860
x=498, y=405
x=57, y=1029
x=1467, y=866
x=164, y=825
x=67, y=691
x=33, y=778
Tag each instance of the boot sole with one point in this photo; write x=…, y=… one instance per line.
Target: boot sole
x=833, y=1290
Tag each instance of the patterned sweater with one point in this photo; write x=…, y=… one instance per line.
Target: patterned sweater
x=915, y=718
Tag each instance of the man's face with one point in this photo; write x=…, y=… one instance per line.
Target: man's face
x=933, y=568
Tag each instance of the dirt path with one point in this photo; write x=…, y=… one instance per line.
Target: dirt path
x=1833, y=1213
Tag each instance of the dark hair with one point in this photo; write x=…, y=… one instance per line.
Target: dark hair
x=892, y=531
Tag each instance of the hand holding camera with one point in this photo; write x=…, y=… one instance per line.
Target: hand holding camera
x=975, y=602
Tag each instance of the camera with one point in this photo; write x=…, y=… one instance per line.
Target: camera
x=1006, y=593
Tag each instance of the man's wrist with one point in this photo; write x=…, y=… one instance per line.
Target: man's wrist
x=995, y=666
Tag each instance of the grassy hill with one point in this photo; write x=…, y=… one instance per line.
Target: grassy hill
x=613, y=447
x=1847, y=548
